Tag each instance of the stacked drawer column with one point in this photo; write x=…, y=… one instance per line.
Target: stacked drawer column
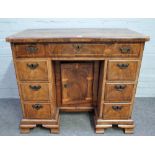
x=36, y=82
x=119, y=83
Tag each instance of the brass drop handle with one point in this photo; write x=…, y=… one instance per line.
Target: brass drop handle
x=117, y=108
x=37, y=106
x=31, y=49
x=125, y=50
x=33, y=66
x=35, y=88
x=123, y=65
x=120, y=87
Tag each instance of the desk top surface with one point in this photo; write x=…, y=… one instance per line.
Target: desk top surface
x=77, y=35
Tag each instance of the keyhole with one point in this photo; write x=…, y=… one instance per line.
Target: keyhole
x=65, y=85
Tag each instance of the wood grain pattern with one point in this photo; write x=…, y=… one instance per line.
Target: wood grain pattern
x=29, y=50
x=70, y=50
x=58, y=82
x=95, y=82
x=146, y=86
x=77, y=82
x=30, y=94
x=94, y=50
x=118, y=73
x=77, y=35
x=122, y=50
x=89, y=69
x=32, y=70
x=136, y=80
x=112, y=112
x=101, y=90
x=43, y=113
x=52, y=91
x=118, y=92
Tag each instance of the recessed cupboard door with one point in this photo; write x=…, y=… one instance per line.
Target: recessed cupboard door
x=77, y=83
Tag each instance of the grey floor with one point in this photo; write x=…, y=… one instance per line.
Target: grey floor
x=78, y=124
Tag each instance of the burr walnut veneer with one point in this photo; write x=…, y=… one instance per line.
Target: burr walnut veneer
x=77, y=70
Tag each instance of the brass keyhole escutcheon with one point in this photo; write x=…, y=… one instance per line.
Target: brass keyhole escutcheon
x=65, y=85
x=37, y=106
x=125, y=50
x=33, y=66
x=120, y=87
x=77, y=47
x=35, y=88
x=117, y=108
x=31, y=49
x=122, y=66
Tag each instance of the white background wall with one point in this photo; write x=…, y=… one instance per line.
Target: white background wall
x=8, y=86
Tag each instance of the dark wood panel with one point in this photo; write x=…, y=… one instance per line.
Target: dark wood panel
x=95, y=82
x=77, y=83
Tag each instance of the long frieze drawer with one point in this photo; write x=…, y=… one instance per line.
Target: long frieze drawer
x=37, y=110
x=122, y=70
x=106, y=50
x=32, y=70
x=118, y=92
x=29, y=50
x=35, y=91
x=116, y=111
x=71, y=50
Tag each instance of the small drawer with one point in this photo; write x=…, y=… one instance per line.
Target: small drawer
x=37, y=110
x=118, y=92
x=123, y=50
x=116, y=111
x=122, y=70
x=29, y=50
x=35, y=91
x=70, y=50
x=32, y=70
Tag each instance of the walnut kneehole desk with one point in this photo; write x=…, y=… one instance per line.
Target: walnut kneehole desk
x=77, y=70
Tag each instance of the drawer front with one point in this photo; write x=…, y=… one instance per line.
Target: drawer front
x=29, y=50
x=32, y=70
x=118, y=92
x=116, y=111
x=122, y=70
x=37, y=110
x=123, y=50
x=106, y=50
x=35, y=91
x=71, y=50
